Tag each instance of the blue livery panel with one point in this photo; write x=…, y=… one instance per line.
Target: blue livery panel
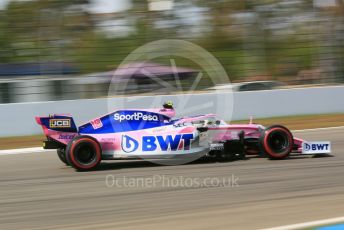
x=124, y=121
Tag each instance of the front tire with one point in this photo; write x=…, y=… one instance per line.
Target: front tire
x=84, y=153
x=276, y=142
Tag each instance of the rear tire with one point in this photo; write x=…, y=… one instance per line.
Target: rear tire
x=84, y=153
x=276, y=142
x=61, y=153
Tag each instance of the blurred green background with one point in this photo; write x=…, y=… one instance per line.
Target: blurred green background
x=293, y=41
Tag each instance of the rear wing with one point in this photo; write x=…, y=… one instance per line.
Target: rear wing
x=59, y=129
x=59, y=123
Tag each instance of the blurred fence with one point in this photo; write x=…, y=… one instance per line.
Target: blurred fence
x=293, y=41
x=317, y=100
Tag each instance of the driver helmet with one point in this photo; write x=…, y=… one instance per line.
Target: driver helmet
x=168, y=105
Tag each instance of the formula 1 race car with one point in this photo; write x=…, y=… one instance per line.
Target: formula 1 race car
x=154, y=134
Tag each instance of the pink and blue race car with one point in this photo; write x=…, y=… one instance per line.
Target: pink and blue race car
x=156, y=134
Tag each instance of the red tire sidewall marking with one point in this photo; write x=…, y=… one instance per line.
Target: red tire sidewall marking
x=267, y=147
x=95, y=144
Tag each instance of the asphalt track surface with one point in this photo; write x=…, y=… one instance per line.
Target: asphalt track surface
x=39, y=192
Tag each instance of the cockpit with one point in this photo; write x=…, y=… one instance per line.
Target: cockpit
x=209, y=122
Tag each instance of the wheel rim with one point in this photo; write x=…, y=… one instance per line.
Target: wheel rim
x=85, y=154
x=278, y=142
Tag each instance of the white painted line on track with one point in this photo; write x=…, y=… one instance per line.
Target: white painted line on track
x=318, y=129
x=22, y=151
x=40, y=149
x=308, y=224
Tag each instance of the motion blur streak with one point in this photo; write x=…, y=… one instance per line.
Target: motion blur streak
x=59, y=49
x=38, y=192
